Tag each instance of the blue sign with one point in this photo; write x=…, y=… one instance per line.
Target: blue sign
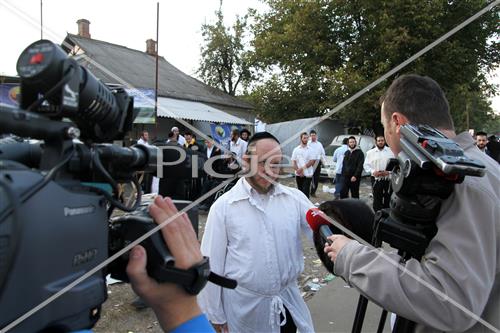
x=222, y=133
x=9, y=94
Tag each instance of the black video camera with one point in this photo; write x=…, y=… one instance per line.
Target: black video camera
x=423, y=175
x=57, y=195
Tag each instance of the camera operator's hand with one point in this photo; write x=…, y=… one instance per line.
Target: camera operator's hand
x=221, y=328
x=171, y=303
x=338, y=242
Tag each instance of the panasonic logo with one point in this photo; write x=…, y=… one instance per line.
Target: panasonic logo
x=78, y=211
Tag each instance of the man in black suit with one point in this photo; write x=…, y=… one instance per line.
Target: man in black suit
x=352, y=168
x=175, y=169
x=212, y=166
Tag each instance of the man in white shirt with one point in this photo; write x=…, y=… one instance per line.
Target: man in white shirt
x=319, y=156
x=237, y=145
x=144, y=139
x=303, y=160
x=253, y=235
x=375, y=163
x=180, y=139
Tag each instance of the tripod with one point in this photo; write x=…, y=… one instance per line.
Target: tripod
x=409, y=225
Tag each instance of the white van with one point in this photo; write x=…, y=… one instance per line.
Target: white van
x=364, y=142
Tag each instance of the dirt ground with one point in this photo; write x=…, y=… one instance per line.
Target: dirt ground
x=119, y=316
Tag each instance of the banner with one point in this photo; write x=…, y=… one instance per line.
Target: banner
x=9, y=93
x=144, y=103
x=222, y=133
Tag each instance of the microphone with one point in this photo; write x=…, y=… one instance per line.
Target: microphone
x=319, y=224
x=321, y=230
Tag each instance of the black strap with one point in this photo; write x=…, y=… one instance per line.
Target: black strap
x=222, y=281
x=193, y=279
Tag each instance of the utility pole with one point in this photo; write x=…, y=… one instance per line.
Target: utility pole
x=41, y=19
x=156, y=81
x=467, y=121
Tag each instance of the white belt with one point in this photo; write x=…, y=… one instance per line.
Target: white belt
x=277, y=309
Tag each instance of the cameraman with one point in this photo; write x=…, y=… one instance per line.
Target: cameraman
x=177, y=311
x=462, y=260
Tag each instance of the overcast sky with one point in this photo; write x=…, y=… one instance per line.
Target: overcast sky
x=127, y=22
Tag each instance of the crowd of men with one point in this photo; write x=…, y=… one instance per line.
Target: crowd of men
x=186, y=179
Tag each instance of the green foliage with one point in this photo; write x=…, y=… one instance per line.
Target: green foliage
x=225, y=62
x=312, y=55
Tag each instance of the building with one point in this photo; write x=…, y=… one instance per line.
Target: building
x=182, y=99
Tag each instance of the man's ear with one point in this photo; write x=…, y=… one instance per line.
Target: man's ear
x=398, y=119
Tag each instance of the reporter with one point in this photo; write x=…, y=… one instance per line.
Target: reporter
x=177, y=311
x=462, y=260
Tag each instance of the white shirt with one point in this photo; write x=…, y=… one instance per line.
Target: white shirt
x=318, y=150
x=141, y=141
x=377, y=159
x=239, y=148
x=181, y=140
x=302, y=155
x=256, y=240
x=209, y=151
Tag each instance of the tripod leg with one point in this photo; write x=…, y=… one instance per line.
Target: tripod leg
x=360, y=314
x=403, y=325
x=381, y=323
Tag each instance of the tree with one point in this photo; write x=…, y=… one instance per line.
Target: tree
x=224, y=59
x=337, y=47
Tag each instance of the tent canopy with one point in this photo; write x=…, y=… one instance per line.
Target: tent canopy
x=176, y=108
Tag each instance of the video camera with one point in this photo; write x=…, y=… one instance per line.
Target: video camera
x=57, y=196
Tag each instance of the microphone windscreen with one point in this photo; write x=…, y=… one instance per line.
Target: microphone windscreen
x=353, y=214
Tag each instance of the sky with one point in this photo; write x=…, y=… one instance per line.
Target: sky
x=128, y=22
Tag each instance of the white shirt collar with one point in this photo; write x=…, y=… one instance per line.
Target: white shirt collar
x=242, y=190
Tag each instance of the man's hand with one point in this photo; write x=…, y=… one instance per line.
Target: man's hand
x=338, y=242
x=221, y=328
x=171, y=303
x=353, y=179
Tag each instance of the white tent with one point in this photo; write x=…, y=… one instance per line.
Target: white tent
x=288, y=132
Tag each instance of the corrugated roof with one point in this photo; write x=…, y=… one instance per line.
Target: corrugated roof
x=176, y=108
x=138, y=69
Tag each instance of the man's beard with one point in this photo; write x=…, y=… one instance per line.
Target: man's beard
x=263, y=190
